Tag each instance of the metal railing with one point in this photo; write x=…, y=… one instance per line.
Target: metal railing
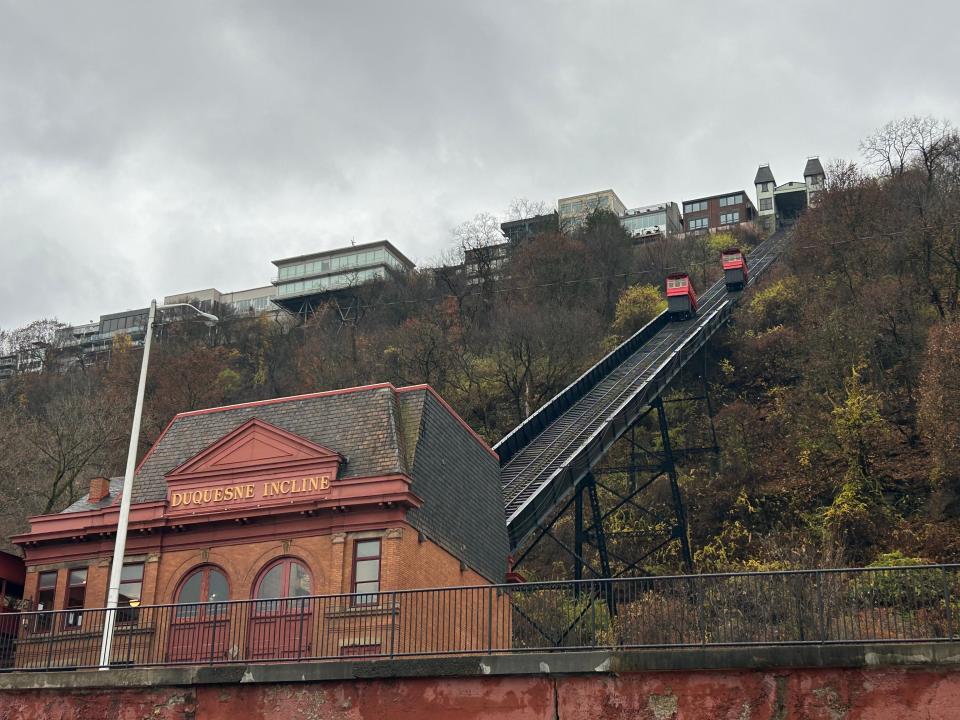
x=864, y=605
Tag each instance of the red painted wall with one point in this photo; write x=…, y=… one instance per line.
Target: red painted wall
x=831, y=694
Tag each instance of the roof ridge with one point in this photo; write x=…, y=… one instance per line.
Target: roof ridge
x=287, y=398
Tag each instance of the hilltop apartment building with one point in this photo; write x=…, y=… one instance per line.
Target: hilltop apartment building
x=718, y=212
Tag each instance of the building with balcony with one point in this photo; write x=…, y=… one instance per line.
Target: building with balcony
x=718, y=212
x=354, y=495
x=653, y=221
x=517, y=231
x=305, y=280
x=573, y=210
x=486, y=263
x=29, y=359
x=240, y=303
x=8, y=366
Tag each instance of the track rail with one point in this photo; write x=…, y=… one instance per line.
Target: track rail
x=544, y=458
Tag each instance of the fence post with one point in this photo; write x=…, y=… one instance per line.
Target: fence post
x=946, y=598
x=701, y=602
x=53, y=626
x=490, y=621
x=130, y=645
x=823, y=622
x=213, y=633
x=393, y=619
x=303, y=611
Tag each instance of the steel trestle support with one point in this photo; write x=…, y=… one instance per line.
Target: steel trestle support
x=590, y=532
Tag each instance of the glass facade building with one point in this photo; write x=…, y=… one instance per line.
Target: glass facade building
x=661, y=220
x=337, y=269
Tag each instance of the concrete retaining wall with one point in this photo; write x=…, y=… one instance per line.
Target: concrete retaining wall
x=895, y=682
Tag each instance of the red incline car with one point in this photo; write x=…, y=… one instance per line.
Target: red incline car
x=681, y=297
x=734, y=268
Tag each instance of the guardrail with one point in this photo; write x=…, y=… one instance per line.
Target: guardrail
x=862, y=605
x=537, y=422
x=518, y=438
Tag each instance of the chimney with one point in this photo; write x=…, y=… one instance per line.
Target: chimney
x=99, y=489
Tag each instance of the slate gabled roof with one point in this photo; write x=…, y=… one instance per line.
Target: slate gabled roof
x=764, y=174
x=360, y=424
x=813, y=167
x=379, y=430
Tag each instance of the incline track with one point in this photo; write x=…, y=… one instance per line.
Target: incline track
x=544, y=458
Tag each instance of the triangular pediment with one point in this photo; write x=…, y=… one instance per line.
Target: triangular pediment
x=254, y=446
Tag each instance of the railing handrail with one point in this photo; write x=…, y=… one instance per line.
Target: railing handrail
x=512, y=587
x=884, y=604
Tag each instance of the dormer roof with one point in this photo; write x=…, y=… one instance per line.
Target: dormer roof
x=764, y=174
x=813, y=168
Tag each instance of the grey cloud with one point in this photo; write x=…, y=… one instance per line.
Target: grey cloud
x=147, y=149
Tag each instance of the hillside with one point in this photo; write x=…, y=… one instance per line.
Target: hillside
x=836, y=389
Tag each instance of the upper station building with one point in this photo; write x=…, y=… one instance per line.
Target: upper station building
x=354, y=493
x=779, y=205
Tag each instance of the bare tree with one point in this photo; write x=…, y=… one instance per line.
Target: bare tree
x=523, y=208
x=477, y=240
x=70, y=431
x=900, y=143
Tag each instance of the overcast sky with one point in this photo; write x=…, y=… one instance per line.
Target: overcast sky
x=154, y=148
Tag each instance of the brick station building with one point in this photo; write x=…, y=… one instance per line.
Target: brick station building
x=366, y=490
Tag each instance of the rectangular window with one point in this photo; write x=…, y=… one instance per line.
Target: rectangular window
x=729, y=218
x=366, y=571
x=46, y=592
x=766, y=203
x=698, y=223
x=131, y=586
x=695, y=206
x=76, y=594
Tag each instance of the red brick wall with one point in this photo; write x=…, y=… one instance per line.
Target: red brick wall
x=407, y=563
x=824, y=694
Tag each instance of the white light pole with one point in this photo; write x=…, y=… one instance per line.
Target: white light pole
x=119, y=548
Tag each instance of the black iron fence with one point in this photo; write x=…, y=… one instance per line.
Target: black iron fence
x=866, y=605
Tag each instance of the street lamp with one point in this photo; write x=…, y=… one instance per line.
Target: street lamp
x=119, y=548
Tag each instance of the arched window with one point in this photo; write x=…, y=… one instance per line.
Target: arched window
x=280, y=627
x=284, y=578
x=200, y=630
x=206, y=584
